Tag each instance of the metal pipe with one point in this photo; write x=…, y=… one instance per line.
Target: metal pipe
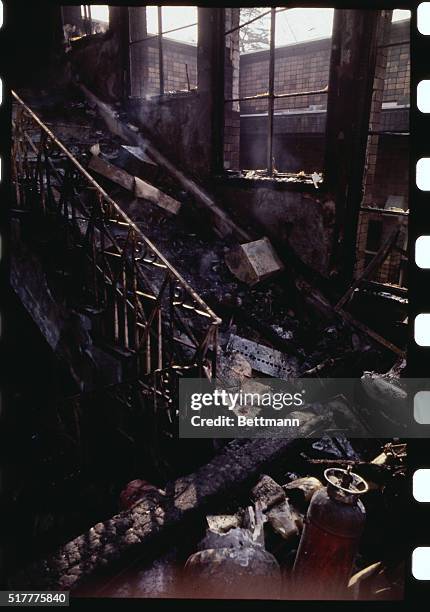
x=302, y=93
x=188, y=77
x=271, y=102
x=384, y=211
x=394, y=44
x=160, y=48
x=283, y=95
x=383, y=133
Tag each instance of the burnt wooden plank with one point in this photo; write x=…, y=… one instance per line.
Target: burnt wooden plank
x=129, y=533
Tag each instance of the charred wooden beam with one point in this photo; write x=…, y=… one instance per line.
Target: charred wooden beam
x=127, y=536
x=136, y=185
x=320, y=304
x=210, y=75
x=352, y=69
x=222, y=223
x=119, y=25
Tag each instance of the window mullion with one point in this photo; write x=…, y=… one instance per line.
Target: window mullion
x=271, y=100
x=160, y=49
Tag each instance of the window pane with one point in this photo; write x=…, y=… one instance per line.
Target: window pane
x=180, y=17
x=180, y=48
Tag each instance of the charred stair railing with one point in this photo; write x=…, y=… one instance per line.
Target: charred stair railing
x=141, y=306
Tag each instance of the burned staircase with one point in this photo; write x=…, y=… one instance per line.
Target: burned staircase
x=98, y=278
x=136, y=308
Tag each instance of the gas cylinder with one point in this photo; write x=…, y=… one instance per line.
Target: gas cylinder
x=333, y=526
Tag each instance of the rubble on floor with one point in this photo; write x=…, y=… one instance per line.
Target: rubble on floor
x=275, y=314
x=158, y=580
x=250, y=550
x=263, y=359
x=270, y=326
x=253, y=262
x=283, y=177
x=284, y=509
x=233, y=573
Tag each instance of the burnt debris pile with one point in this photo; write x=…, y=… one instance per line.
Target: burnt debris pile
x=232, y=519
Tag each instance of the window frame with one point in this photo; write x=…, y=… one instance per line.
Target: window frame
x=160, y=36
x=270, y=96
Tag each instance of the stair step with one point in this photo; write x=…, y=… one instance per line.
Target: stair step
x=90, y=310
x=117, y=350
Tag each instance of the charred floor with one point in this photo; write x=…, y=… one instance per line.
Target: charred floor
x=230, y=206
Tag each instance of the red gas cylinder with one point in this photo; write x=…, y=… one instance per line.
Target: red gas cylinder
x=333, y=526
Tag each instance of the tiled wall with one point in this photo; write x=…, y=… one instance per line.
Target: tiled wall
x=383, y=35
x=298, y=67
x=178, y=57
x=392, y=170
x=398, y=71
x=176, y=66
x=231, y=92
x=301, y=67
x=386, y=180
x=370, y=239
x=305, y=67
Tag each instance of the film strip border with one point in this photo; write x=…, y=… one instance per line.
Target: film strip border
x=418, y=522
x=4, y=146
x=1, y=103
x=418, y=584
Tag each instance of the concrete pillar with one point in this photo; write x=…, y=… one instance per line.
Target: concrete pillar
x=205, y=49
x=138, y=52
x=231, y=91
x=375, y=124
x=383, y=35
x=352, y=70
x=210, y=67
x=119, y=29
